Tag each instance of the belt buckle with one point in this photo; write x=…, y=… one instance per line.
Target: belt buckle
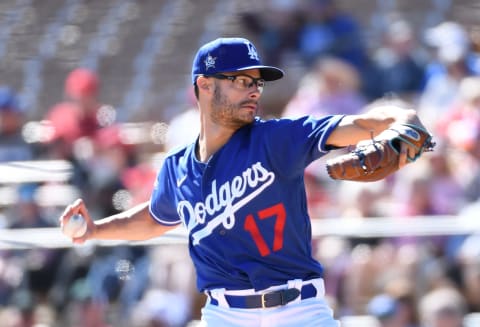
x=262, y=298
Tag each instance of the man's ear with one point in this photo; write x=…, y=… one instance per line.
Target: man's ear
x=203, y=83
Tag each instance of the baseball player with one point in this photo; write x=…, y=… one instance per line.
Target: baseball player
x=238, y=189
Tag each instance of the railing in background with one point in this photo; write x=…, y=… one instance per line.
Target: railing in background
x=343, y=227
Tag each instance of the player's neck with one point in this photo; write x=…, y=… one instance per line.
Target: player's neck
x=211, y=139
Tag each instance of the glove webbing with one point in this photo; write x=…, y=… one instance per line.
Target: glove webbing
x=361, y=156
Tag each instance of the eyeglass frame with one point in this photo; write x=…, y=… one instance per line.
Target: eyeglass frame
x=232, y=78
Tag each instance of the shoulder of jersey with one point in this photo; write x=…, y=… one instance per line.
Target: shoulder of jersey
x=272, y=122
x=178, y=150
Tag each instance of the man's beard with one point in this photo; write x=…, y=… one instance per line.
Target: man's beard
x=230, y=114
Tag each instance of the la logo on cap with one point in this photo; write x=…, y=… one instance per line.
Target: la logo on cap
x=252, y=52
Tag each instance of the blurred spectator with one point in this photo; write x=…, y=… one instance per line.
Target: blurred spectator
x=184, y=127
x=470, y=270
x=460, y=124
x=73, y=118
x=367, y=267
x=276, y=28
x=39, y=265
x=453, y=61
x=12, y=274
x=416, y=188
x=416, y=194
x=80, y=115
x=107, y=165
x=138, y=180
x=27, y=213
x=329, y=31
x=362, y=200
x=77, y=116
x=473, y=174
x=467, y=255
x=12, y=117
x=170, y=280
x=451, y=43
x=332, y=87
x=442, y=307
x=460, y=128
x=447, y=192
x=386, y=309
x=396, y=67
x=402, y=289
x=335, y=253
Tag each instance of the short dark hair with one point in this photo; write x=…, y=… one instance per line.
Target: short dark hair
x=195, y=90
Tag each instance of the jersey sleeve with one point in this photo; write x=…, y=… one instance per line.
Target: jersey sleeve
x=293, y=144
x=162, y=201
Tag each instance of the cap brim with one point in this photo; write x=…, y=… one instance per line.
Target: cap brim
x=268, y=73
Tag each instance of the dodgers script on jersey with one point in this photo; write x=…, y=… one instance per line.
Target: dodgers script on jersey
x=245, y=209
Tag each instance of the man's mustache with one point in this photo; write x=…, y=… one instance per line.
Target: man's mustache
x=249, y=102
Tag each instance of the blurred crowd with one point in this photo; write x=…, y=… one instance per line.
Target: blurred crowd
x=414, y=281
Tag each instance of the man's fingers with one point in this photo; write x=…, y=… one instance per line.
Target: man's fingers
x=406, y=152
x=403, y=157
x=412, y=153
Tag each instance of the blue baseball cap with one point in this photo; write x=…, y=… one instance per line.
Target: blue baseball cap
x=230, y=55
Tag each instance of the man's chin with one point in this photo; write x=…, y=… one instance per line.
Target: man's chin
x=243, y=121
x=248, y=119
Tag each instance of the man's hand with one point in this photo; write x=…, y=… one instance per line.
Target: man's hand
x=78, y=208
x=381, y=156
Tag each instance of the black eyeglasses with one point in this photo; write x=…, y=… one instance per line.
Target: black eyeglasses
x=243, y=81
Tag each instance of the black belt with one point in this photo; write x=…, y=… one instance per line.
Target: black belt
x=268, y=300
